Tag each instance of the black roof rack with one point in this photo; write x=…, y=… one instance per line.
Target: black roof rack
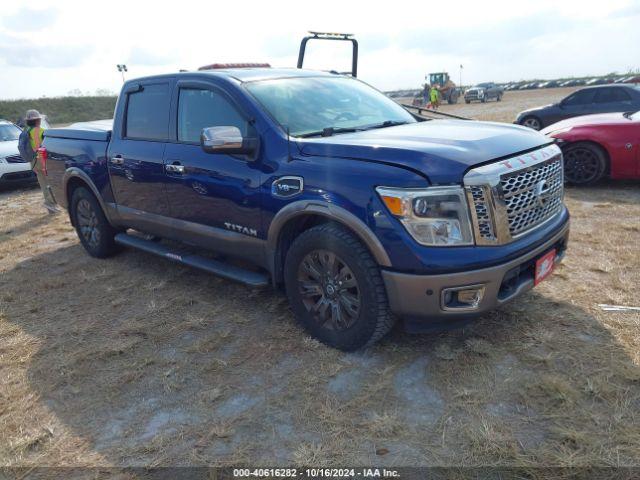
x=348, y=37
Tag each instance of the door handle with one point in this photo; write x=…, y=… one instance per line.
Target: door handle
x=174, y=168
x=117, y=160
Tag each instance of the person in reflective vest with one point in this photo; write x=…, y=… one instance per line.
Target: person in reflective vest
x=434, y=96
x=29, y=142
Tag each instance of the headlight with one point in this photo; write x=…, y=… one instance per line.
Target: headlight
x=436, y=216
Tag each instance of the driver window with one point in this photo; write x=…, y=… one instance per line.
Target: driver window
x=198, y=109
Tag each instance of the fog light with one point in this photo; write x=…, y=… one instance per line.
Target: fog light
x=462, y=298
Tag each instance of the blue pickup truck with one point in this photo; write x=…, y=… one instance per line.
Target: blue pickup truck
x=319, y=183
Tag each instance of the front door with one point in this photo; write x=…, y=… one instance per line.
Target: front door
x=136, y=152
x=215, y=190
x=578, y=103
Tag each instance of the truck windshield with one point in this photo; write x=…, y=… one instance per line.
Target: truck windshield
x=9, y=132
x=326, y=105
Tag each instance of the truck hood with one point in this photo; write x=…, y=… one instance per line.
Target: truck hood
x=588, y=120
x=10, y=147
x=443, y=150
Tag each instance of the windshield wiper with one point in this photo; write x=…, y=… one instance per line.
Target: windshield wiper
x=386, y=123
x=329, y=131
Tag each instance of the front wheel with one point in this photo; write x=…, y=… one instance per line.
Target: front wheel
x=94, y=230
x=584, y=163
x=532, y=122
x=335, y=288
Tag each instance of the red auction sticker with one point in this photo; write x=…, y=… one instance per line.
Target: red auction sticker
x=544, y=266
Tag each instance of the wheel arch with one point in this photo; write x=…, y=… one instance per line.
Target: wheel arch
x=532, y=115
x=297, y=217
x=589, y=141
x=75, y=178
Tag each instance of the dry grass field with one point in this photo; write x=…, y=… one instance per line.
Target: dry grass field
x=133, y=361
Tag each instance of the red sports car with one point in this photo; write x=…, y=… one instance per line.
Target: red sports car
x=596, y=146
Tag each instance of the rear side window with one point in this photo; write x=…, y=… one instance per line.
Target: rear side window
x=148, y=113
x=609, y=95
x=198, y=109
x=581, y=97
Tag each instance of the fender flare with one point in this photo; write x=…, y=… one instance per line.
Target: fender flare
x=75, y=172
x=330, y=211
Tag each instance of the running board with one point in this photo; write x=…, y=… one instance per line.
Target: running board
x=221, y=269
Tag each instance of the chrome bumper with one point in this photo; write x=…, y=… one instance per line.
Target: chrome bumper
x=419, y=297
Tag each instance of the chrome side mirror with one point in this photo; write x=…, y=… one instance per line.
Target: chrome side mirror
x=227, y=140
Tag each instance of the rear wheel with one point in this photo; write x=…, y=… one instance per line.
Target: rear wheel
x=584, y=163
x=499, y=98
x=94, y=230
x=532, y=122
x=335, y=288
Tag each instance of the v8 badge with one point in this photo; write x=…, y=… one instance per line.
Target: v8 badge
x=286, y=187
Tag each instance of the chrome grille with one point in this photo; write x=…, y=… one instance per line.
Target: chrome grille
x=511, y=197
x=482, y=218
x=525, y=206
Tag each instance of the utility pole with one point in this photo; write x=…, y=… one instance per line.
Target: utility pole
x=122, y=68
x=461, y=67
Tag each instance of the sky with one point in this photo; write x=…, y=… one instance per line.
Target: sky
x=50, y=48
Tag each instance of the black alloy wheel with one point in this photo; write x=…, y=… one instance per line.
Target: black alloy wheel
x=329, y=290
x=94, y=230
x=584, y=164
x=335, y=288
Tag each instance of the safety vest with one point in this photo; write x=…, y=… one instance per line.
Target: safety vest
x=36, y=134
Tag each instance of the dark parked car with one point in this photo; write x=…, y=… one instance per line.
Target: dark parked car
x=586, y=101
x=483, y=92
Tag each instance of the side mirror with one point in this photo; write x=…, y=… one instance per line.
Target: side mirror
x=227, y=140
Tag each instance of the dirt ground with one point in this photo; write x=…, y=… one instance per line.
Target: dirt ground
x=133, y=361
x=506, y=110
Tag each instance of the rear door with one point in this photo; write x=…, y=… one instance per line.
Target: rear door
x=137, y=148
x=612, y=99
x=216, y=190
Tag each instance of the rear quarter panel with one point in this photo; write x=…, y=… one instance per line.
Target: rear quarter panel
x=87, y=155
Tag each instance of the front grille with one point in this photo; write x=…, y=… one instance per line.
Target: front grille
x=525, y=206
x=14, y=159
x=483, y=220
x=512, y=197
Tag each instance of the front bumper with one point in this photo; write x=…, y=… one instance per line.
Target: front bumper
x=418, y=298
x=21, y=176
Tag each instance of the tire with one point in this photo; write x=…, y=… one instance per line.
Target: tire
x=94, y=230
x=531, y=122
x=584, y=163
x=499, y=98
x=467, y=101
x=483, y=99
x=343, y=317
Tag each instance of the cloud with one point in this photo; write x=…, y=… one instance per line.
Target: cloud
x=17, y=52
x=30, y=20
x=143, y=56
